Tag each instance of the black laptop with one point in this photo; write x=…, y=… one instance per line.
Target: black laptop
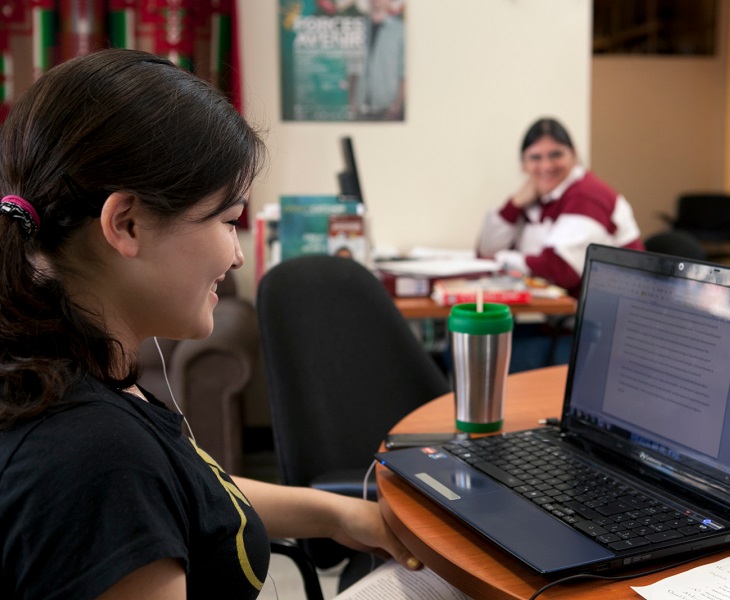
x=639, y=468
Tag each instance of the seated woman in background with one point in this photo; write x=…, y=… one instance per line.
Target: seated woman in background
x=546, y=226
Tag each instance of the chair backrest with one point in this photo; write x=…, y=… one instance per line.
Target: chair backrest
x=702, y=213
x=342, y=364
x=677, y=243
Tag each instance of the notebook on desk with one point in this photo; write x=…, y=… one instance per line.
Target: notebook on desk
x=645, y=416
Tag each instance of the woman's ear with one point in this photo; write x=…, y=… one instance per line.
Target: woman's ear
x=120, y=223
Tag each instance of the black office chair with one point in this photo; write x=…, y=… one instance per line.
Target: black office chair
x=304, y=564
x=343, y=367
x=677, y=243
x=706, y=216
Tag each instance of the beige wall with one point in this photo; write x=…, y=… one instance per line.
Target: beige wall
x=658, y=129
x=479, y=71
x=659, y=126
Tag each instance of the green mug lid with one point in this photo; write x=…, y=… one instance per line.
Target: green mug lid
x=494, y=318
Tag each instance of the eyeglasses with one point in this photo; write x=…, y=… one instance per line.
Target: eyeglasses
x=552, y=156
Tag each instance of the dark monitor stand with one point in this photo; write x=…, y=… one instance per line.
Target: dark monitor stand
x=349, y=180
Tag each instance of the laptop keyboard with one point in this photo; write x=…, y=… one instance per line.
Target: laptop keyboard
x=609, y=510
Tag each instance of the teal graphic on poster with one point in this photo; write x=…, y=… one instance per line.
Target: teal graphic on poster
x=342, y=60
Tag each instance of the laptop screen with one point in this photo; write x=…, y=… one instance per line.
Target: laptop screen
x=650, y=375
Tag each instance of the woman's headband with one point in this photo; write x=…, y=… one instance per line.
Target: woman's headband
x=17, y=208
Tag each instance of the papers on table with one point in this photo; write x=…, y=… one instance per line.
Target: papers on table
x=709, y=582
x=422, y=252
x=434, y=269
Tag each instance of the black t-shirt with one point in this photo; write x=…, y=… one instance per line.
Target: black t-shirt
x=93, y=491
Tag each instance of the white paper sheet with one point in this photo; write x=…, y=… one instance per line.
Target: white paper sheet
x=441, y=253
x=394, y=582
x=709, y=582
x=438, y=268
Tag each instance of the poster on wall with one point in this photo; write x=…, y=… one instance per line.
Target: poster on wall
x=342, y=60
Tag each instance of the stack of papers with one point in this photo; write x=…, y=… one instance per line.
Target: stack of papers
x=439, y=268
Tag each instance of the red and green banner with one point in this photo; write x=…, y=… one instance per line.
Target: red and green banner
x=37, y=34
x=198, y=35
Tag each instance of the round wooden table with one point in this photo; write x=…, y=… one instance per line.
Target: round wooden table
x=454, y=551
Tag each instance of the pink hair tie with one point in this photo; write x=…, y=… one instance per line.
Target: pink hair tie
x=19, y=208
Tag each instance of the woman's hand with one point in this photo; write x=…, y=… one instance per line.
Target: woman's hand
x=526, y=195
x=512, y=260
x=363, y=528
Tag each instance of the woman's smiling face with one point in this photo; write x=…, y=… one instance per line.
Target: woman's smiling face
x=203, y=253
x=547, y=163
x=182, y=268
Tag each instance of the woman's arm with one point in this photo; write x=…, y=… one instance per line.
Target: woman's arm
x=161, y=580
x=286, y=512
x=501, y=227
x=301, y=512
x=500, y=230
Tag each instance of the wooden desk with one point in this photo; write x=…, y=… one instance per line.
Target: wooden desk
x=451, y=549
x=426, y=308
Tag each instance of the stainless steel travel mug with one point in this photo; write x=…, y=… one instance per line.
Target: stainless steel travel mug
x=481, y=347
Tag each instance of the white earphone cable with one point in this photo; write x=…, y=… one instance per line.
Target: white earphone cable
x=365, y=497
x=169, y=389
x=365, y=481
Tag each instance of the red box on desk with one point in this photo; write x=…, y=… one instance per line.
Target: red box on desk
x=410, y=286
x=405, y=286
x=448, y=292
x=416, y=277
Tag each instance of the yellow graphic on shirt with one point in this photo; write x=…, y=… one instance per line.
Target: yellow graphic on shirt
x=234, y=493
